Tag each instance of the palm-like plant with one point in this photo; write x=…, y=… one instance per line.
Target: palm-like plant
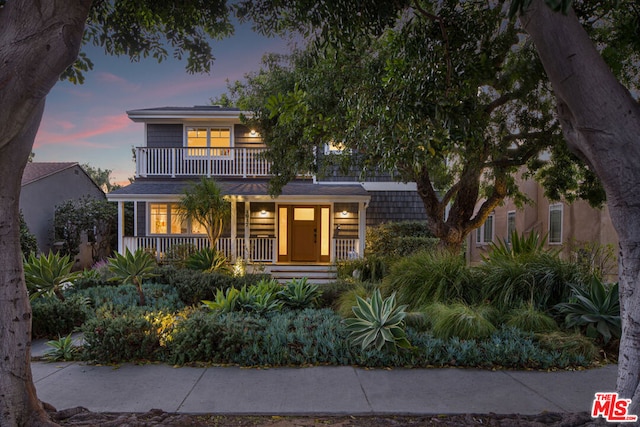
x=595, y=308
x=205, y=204
x=47, y=274
x=133, y=268
x=225, y=301
x=378, y=322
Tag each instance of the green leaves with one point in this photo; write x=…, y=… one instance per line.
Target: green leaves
x=595, y=308
x=47, y=274
x=208, y=260
x=378, y=322
x=205, y=203
x=133, y=268
x=300, y=294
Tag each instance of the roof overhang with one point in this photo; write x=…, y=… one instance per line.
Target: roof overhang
x=181, y=114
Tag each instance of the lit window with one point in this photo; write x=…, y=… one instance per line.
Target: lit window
x=555, y=223
x=165, y=219
x=334, y=147
x=484, y=233
x=208, y=141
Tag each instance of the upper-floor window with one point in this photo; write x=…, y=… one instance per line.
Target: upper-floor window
x=511, y=225
x=208, y=141
x=484, y=233
x=555, y=223
x=334, y=147
x=164, y=218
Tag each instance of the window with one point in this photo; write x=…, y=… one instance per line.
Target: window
x=334, y=147
x=164, y=219
x=484, y=233
x=208, y=141
x=555, y=224
x=511, y=224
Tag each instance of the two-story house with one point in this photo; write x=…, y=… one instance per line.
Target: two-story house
x=313, y=223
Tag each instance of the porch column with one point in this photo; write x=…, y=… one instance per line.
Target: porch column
x=234, y=229
x=121, y=227
x=362, y=227
x=247, y=230
x=135, y=219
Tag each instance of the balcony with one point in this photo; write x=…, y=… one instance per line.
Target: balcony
x=183, y=162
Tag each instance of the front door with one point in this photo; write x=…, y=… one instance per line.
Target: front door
x=303, y=233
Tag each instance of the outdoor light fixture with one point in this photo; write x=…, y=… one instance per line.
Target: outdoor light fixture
x=345, y=213
x=263, y=212
x=253, y=132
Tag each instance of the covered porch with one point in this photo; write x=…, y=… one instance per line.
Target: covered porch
x=308, y=224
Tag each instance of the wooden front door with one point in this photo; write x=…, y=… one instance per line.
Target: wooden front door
x=303, y=233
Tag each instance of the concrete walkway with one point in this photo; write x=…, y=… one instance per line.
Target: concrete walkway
x=316, y=390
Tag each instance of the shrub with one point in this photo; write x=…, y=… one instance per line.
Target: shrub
x=427, y=277
x=194, y=286
x=540, y=279
x=568, y=343
x=128, y=337
x=99, y=275
x=372, y=268
x=52, y=317
x=378, y=323
x=462, y=321
x=28, y=241
x=203, y=337
x=177, y=255
x=162, y=297
x=224, y=302
x=595, y=308
x=332, y=292
x=529, y=319
x=399, y=238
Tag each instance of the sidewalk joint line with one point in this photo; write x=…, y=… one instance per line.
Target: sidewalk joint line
x=191, y=390
x=355, y=370
x=534, y=391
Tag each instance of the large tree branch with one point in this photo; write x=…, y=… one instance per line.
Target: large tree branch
x=39, y=39
x=445, y=37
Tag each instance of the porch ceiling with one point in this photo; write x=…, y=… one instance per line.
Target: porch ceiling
x=166, y=189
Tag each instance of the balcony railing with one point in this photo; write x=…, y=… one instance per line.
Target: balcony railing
x=172, y=162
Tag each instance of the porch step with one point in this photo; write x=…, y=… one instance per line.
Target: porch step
x=317, y=274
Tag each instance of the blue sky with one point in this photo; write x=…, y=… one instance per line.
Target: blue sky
x=88, y=123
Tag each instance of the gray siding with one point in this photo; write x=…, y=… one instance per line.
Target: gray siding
x=393, y=206
x=243, y=139
x=142, y=219
x=38, y=200
x=164, y=136
x=330, y=170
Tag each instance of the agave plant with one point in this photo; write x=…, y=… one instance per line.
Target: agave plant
x=133, y=268
x=225, y=302
x=594, y=308
x=299, y=293
x=48, y=274
x=62, y=349
x=378, y=322
x=208, y=260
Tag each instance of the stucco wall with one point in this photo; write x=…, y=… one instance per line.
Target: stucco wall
x=39, y=199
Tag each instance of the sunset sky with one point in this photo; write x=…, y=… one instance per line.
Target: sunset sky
x=88, y=124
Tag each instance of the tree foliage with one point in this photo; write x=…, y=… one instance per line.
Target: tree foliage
x=101, y=177
x=95, y=218
x=28, y=242
x=205, y=204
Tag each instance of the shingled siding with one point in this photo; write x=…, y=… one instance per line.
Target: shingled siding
x=164, y=136
x=142, y=219
x=393, y=206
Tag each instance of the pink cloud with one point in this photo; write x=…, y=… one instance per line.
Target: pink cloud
x=58, y=132
x=112, y=79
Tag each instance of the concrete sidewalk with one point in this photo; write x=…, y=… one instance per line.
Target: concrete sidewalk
x=316, y=390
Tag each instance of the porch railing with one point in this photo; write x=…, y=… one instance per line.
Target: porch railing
x=259, y=249
x=172, y=162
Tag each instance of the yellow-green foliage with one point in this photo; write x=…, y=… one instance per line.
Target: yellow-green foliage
x=462, y=321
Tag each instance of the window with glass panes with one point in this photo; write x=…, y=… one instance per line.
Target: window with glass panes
x=164, y=218
x=484, y=233
x=208, y=141
x=555, y=223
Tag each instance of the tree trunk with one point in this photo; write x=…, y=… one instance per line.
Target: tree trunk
x=39, y=39
x=601, y=123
